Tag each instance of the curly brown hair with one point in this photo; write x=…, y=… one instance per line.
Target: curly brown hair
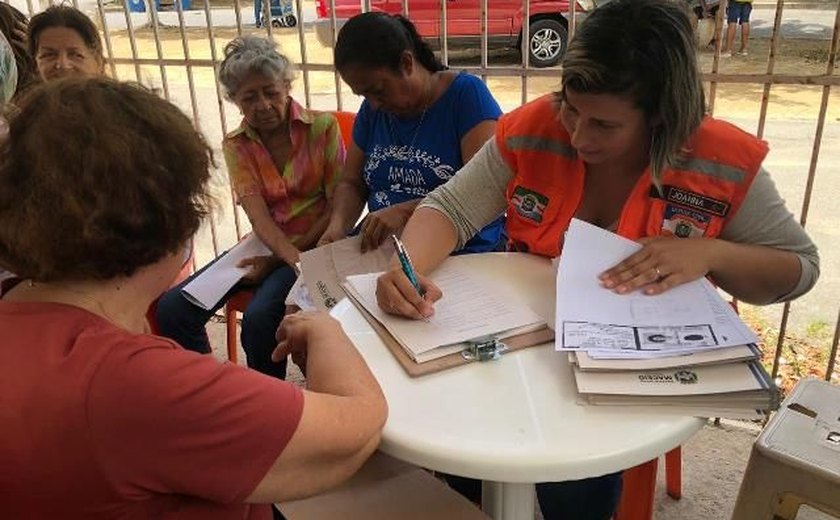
x=97, y=179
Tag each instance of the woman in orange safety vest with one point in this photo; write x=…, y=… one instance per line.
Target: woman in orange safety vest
x=625, y=145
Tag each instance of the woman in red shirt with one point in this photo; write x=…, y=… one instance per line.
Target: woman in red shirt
x=102, y=184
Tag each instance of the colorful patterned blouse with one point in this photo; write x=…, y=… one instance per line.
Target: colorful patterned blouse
x=297, y=196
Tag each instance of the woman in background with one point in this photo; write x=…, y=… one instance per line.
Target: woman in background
x=418, y=124
x=64, y=43
x=284, y=162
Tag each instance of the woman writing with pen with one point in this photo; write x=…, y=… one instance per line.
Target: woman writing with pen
x=625, y=145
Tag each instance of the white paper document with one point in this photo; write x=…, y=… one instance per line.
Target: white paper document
x=208, y=288
x=686, y=318
x=469, y=309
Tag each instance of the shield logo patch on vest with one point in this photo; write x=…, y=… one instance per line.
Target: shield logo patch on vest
x=683, y=222
x=529, y=204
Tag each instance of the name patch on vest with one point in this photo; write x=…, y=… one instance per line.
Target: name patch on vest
x=695, y=201
x=529, y=204
x=683, y=222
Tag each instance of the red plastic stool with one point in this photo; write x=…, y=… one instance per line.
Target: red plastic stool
x=640, y=484
x=237, y=303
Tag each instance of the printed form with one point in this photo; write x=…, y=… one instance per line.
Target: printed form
x=686, y=318
x=469, y=309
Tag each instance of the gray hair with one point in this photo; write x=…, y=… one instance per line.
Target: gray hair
x=246, y=55
x=643, y=49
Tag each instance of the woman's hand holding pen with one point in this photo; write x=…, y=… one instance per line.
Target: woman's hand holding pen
x=395, y=294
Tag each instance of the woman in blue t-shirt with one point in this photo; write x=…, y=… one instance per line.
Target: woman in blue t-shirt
x=419, y=123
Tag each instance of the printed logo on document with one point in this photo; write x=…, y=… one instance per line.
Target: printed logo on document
x=324, y=291
x=686, y=377
x=529, y=204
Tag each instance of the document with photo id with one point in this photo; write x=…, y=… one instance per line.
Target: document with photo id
x=686, y=318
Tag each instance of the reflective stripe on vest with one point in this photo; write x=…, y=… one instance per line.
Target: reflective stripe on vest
x=714, y=169
x=539, y=144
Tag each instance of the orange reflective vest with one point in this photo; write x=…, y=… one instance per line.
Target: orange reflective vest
x=699, y=195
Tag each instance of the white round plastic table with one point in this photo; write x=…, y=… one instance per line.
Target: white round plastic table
x=514, y=421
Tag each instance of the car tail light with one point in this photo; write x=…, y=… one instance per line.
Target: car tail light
x=321, y=8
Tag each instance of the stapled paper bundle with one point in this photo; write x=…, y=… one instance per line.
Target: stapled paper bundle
x=685, y=351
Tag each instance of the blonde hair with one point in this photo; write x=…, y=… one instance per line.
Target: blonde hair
x=643, y=49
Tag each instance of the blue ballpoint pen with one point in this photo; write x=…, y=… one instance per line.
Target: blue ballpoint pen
x=405, y=263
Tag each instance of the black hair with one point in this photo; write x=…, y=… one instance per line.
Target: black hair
x=375, y=40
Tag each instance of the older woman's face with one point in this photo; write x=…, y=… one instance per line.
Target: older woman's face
x=263, y=102
x=62, y=52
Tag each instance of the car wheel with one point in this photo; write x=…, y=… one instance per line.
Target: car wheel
x=547, y=43
x=291, y=20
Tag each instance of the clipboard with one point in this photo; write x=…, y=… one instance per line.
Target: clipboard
x=414, y=369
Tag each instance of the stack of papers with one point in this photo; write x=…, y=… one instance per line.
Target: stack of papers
x=684, y=351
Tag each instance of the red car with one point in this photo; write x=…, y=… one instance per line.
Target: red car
x=548, y=25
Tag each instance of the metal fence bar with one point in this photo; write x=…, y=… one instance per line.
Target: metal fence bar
x=108, y=48
x=214, y=56
x=237, y=13
x=129, y=24
x=483, y=29
x=832, y=355
x=303, y=57
x=572, y=18
x=771, y=63
x=267, y=25
x=158, y=48
x=516, y=71
x=334, y=29
x=444, y=33
x=716, y=58
x=525, y=48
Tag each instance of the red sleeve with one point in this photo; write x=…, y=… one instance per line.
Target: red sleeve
x=166, y=420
